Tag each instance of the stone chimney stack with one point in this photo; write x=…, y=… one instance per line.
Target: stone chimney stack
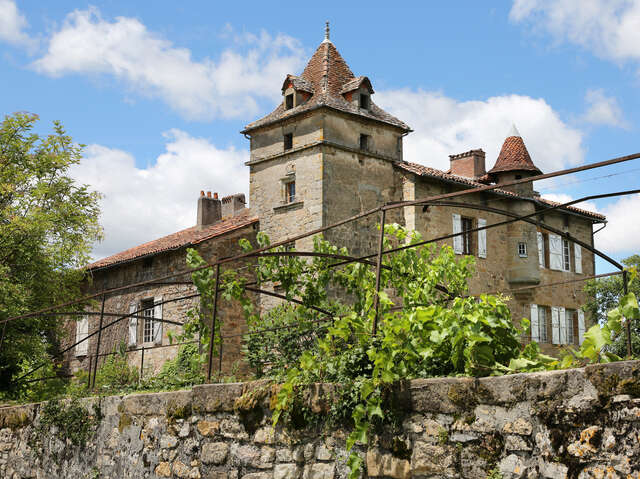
x=233, y=204
x=469, y=164
x=209, y=209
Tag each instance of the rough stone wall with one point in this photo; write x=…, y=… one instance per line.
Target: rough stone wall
x=582, y=423
x=230, y=314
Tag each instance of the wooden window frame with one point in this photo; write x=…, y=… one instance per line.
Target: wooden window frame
x=467, y=236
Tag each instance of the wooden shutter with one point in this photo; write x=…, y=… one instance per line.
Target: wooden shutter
x=157, y=325
x=540, y=250
x=535, y=328
x=581, y=326
x=457, y=228
x=133, y=325
x=555, y=252
x=82, y=331
x=562, y=315
x=482, y=238
x=577, y=254
x=555, y=325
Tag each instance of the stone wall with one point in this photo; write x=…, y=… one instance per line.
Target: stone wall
x=578, y=423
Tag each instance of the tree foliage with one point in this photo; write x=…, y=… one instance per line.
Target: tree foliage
x=48, y=224
x=604, y=294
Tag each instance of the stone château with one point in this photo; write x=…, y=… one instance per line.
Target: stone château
x=328, y=152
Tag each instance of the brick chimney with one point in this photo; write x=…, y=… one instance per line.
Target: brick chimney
x=469, y=164
x=233, y=204
x=209, y=209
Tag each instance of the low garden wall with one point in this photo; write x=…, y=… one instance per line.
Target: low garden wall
x=574, y=423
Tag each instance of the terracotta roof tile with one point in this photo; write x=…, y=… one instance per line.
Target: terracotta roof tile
x=328, y=73
x=514, y=157
x=186, y=237
x=422, y=170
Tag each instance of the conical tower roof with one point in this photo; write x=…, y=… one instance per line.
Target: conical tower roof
x=329, y=80
x=514, y=155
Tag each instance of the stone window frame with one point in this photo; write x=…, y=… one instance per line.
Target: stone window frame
x=287, y=141
x=289, y=100
x=364, y=101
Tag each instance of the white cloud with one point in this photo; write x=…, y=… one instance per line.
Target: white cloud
x=13, y=24
x=622, y=234
x=609, y=28
x=147, y=63
x=603, y=110
x=445, y=126
x=140, y=205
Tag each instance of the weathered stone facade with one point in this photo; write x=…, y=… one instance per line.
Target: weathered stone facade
x=140, y=270
x=581, y=423
x=327, y=153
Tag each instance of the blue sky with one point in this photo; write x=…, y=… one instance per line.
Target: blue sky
x=160, y=90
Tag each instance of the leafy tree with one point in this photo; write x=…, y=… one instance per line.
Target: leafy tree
x=605, y=293
x=48, y=224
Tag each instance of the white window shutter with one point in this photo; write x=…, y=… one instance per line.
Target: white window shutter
x=555, y=325
x=482, y=238
x=540, y=250
x=581, y=326
x=577, y=253
x=133, y=325
x=555, y=252
x=562, y=314
x=457, y=228
x=82, y=331
x=157, y=325
x=535, y=328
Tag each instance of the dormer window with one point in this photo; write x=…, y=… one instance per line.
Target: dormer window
x=288, y=141
x=288, y=101
x=365, y=101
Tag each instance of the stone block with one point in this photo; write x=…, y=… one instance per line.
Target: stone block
x=163, y=469
x=214, y=453
x=319, y=471
x=379, y=465
x=512, y=467
x=428, y=459
x=208, y=398
x=208, y=428
x=444, y=395
x=287, y=471
x=157, y=404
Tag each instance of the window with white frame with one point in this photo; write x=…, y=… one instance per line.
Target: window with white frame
x=148, y=322
x=522, y=249
x=566, y=255
x=539, y=327
x=542, y=258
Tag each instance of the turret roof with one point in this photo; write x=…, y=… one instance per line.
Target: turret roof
x=328, y=74
x=514, y=155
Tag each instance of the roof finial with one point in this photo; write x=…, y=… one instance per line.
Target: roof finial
x=513, y=131
x=326, y=32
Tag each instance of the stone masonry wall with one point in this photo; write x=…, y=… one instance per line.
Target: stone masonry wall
x=581, y=423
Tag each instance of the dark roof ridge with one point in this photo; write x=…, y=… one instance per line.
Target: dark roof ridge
x=422, y=170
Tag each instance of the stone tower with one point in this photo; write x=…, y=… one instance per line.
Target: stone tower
x=514, y=163
x=324, y=154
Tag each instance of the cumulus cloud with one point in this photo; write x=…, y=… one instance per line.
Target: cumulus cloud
x=609, y=28
x=149, y=64
x=445, y=126
x=140, y=205
x=603, y=110
x=621, y=236
x=13, y=25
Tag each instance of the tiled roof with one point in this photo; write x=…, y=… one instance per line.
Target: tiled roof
x=422, y=170
x=298, y=83
x=328, y=73
x=355, y=84
x=514, y=157
x=187, y=237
